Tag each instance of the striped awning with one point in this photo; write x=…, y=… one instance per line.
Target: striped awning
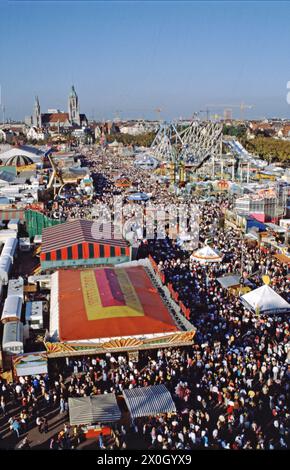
x=149, y=401
x=79, y=231
x=93, y=409
x=12, y=214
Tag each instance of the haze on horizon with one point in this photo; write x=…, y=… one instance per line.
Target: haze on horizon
x=130, y=58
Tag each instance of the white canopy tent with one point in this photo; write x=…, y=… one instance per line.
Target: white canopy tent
x=149, y=401
x=265, y=300
x=205, y=255
x=94, y=409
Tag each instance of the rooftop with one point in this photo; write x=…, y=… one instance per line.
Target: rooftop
x=77, y=231
x=107, y=303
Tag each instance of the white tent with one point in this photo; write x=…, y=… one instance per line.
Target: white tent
x=206, y=255
x=94, y=409
x=265, y=300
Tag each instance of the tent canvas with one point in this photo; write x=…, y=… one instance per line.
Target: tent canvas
x=93, y=409
x=138, y=197
x=206, y=255
x=107, y=303
x=229, y=281
x=266, y=300
x=149, y=401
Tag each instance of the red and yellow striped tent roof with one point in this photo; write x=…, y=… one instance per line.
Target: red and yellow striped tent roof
x=78, y=231
x=108, y=303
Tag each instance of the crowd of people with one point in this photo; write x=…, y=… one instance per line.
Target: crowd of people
x=231, y=388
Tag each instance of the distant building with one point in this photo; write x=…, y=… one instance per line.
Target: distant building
x=136, y=128
x=284, y=131
x=10, y=132
x=73, y=244
x=58, y=119
x=73, y=108
x=110, y=128
x=35, y=133
x=28, y=121
x=263, y=207
x=98, y=132
x=6, y=135
x=260, y=128
x=36, y=118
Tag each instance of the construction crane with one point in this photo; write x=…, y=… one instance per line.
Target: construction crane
x=158, y=111
x=242, y=106
x=2, y=107
x=207, y=111
x=117, y=115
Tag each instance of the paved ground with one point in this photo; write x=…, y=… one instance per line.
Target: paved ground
x=25, y=263
x=56, y=421
x=37, y=440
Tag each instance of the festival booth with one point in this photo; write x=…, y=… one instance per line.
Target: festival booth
x=265, y=300
x=233, y=284
x=121, y=308
x=231, y=281
x=30, y=364
x=146, y=161
x=206, y=255
x=149, y=401
x=82, y=243
x=123, y=183
x=91, y=412
x=34, y=314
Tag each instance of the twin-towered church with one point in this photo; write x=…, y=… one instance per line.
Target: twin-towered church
x=72, y=118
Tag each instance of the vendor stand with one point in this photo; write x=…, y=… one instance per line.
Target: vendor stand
x=90, y=413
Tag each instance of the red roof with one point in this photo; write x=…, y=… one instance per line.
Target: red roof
x=55, y=117
x=78, y=231
x=108, y=303
x=286, y=130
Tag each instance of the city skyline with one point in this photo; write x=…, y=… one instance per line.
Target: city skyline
x=131, y=58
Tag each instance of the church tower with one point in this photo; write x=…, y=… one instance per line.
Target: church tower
x=36, y=118
x=73, y=108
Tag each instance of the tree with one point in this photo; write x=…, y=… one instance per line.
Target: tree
x=272, y=150
x=144, y=140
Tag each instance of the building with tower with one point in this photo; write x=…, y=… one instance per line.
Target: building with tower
x=56, y=119
x=36, y=118
x=73, y=107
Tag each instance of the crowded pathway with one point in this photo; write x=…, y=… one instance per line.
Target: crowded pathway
x=231, y=389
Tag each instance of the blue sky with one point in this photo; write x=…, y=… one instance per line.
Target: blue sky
x=135, y=57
